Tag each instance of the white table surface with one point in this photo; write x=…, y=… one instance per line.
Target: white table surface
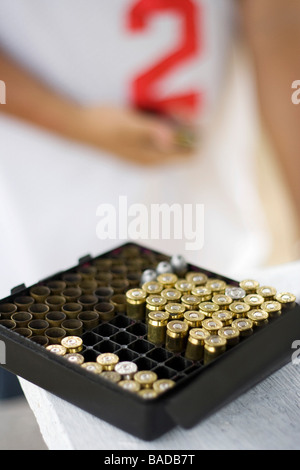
x=265, y=417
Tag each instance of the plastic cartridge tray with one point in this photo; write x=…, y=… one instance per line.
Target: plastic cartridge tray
x=200, y=389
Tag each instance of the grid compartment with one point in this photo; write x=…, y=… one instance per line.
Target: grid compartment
x=106, y=346
x=137, y=329
x=123, y=338
x=126, y=354
x=106, y=330
x=121, y=321
x=90, y=339
x=140, y=346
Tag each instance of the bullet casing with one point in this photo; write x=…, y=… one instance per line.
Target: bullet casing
x=75, y=358
x=71, y=309
x=105, y=310
x=145, y=378
x=152, y=288
x=120, y=286
x=272, y=307
x=217, y=286
x=72, y=327
x=197, y=278
x=111, y=376
x=223, y=301
x=175, y=311
x=10, y=324
x=55, y=335
x=203, y=293
x=212, y=326
x=136, y=303
x=236, y=293
x=87, y=301
x=57, y=349
x=23, y=302
x=208, y=308
x=258, y=317
x=267, y=292
x=249, y=285
x=171, y=295
x=167, y=280
x=56, y=287
x=148, y=394
x=72, y=279
x=194, y=318
x=55, y=319
x=7, y=310
x=104, y=294
x=55, y=302
x=225, y=316
x=38, y=327
x=195, y=344
x=157, y=327
x=108, y=361
x=231, y=334
x=244, y=325
x=119, y=303
x=176, y=337
x=126, y=369
x=38, y=311
x=103, y=278
x=71, y=294
x=214, y=346
x=154, y=303
x=254, y=300
x=87, y=271
x=163, y=385
x=103, y=264
x=40, y=339
x=184, y=286
x=74, y=344
x=92, y=367
x=22, y=319
x=190, y=301
x=130, y=385
x=239, y=309
x=26, y=332
x=89, y=319
x=39, y=293
x=88, y=286
x=286, y=299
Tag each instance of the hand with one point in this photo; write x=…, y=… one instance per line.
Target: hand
x=132, y=135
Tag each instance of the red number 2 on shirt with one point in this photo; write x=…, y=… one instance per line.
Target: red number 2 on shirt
x=143, y=86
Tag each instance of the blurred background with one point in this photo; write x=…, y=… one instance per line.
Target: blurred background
x=169, y=102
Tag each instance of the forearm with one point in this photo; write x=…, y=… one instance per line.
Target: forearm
x=29, y=99
x=273, y=33
x=126, y=133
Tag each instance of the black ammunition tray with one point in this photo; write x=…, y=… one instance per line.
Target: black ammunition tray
x=200, y=389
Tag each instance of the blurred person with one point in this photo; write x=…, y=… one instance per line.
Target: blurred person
x=96, y=93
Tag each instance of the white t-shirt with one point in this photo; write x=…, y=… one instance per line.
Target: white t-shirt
x=152, y=54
